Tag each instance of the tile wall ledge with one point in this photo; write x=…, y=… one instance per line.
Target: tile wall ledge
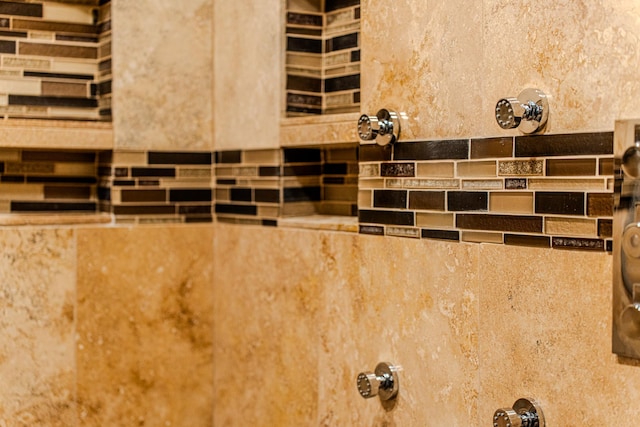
x=321, y=222
x=60, y=219
x=319, y=130
x=55, y=134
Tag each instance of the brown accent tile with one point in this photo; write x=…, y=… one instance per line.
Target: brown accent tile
x=560, y=203
x=427, y=200
x=520, y=168
x=605, y=228
x=605, y=167
x=473, y=169
x=521, y=224
x=64, y=27
x=491, y=147
x=67, y=192
x=64, y=89
x=571, y=167
x=43, y=49
x=398, y=169
x=20, y=168
x=527, y=240
x=599, y=204
x=579, y=144
x=143, y=195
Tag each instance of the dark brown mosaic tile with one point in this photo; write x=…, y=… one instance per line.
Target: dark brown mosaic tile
x=347, y=41
x=53, y=101
x=58, y=75
x=302, y=194
x=526, y=240
x=241, y=194
x=153, y=172
x=269, y=171
x=374, y=153
x=302, y=155
x=194, y=209
x=143, y=196
x=331, y=5
x=301, y=44
x=198, y=218
x=302, y=170
x=397, y=169
x=144, y=210
x=491, y=147
x=306, y=19
x=21, y=9
x=305, y=84
x=58, y=156
x=571, y=167
x=427, y=200
x=580, y=144
x=53, y=207
x=453, y=235
x=224, y=208
x=432, y=150
x=458, y=201
x=515, y=184
x=179, y=158
x=7, y=46
x=386, y=217
x=66, y=192
x=57, y=179
x=336, y=84
x=560, y=203
x=599, y=204
x=578, y=243
x=190, y=195
x=605, y=228
x=396, y=199
x=230, y=156
x=513, y=223
x=267, y=195
x=20, y=34
x=372, y=229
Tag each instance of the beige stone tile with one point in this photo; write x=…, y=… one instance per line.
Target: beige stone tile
x=77, y=13
x=365, y=198
x=165, y=84
x=481, y=237
x=145, y=326
x=267, y=335
x=545, y=332
x=262, y=157
x=430, y=71
x=567, y=184
x=130, y=158
x=248, y=88
x=37, y=366
x=419, y=315
x=561, y=49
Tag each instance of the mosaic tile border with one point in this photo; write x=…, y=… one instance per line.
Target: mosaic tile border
x=552, y=191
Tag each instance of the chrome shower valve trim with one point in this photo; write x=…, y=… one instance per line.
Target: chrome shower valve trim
x=528, y=112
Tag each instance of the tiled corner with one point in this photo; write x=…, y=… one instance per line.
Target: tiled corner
x=145, y=326
x=37, y=355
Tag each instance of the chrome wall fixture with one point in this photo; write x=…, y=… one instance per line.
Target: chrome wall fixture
x=523, y=413
x=528, y=112
x=626, y=240
x=383, y=382
x=383, y=128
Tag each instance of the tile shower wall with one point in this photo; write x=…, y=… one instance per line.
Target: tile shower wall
x=323, y=58
x=544, y=191
x=55, y=60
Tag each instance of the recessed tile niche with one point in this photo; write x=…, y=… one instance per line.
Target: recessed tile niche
x=55, y=60
x=322, y=57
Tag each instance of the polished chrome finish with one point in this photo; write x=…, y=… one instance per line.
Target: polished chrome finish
x=384, y=127
x=383, y=382
x=626, y=240
x=524, y=413
x=529, y=111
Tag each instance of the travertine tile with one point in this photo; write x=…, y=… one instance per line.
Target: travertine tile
x=267, y=303
x=545, y=332
x=145, y=326
x=37, y=366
